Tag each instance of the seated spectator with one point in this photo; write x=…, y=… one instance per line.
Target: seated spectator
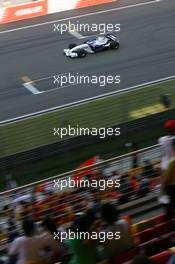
x=29, y=248
x=144, y=188
x=148, y=169
x=115, y=176
x=114, y=246
x=134, y=182
x=124, y=182
x=84, y=251
x=12, y=231
x=126, y=195
x=57, y=252
x=166, y=144
x=125, y=189
x=96, y=206
x=168, y=184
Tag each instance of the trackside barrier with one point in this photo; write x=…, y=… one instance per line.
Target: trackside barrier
x=62, y=5
x=24, y=11
x=43, y=7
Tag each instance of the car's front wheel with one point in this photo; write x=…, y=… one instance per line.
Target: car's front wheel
x=81, y=53
x=114, y=45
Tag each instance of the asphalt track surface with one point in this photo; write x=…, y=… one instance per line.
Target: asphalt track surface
x=147, y=53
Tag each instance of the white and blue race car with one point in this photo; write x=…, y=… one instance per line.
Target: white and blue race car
x=92, y=46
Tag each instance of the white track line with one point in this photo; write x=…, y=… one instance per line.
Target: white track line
x=85, y=101
x=80, y=16
x=59, y=88
x=46, y=78
x=31, y=88
x=80, y=36
x=29, y=85
x=76, y=34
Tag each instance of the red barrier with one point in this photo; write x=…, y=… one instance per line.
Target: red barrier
x=62, y=5
x=24, y=11
x=43, y=7
x=86, y=3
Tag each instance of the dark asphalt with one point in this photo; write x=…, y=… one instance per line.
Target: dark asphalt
x=147, y=53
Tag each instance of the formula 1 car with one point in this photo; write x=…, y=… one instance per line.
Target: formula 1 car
x=92, y=46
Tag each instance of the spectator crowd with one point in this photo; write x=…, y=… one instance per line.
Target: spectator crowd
x=37, y=229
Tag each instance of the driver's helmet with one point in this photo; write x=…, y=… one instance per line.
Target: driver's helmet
x=101, y=39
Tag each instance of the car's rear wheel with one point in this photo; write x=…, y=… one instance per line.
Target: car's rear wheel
x=72, y=45
x=114, y=45
x=81, y=53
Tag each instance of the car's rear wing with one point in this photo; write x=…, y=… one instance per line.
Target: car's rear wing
x=112, y=37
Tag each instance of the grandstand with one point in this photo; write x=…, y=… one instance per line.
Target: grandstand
x=136, y=199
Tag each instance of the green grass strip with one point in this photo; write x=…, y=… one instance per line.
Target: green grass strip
x=38, y=131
